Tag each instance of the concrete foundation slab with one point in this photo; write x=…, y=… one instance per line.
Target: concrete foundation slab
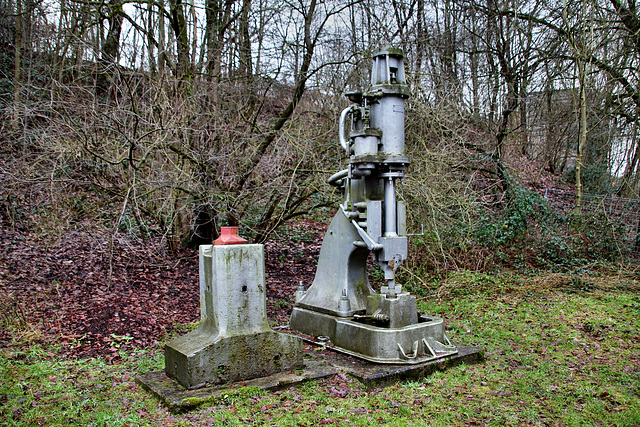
x=318, y=364
x=376, y=375
x=179, y=399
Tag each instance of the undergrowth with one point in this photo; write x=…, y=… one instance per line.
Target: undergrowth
x=522, y=232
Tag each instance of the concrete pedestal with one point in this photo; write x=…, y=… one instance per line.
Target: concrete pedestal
x=233, y=341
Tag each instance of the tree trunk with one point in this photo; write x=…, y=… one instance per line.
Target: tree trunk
x=151, y=57
x=582, y=140
x=244, y=46
x=524, y=135
x=630, y=176
x=184, y=68
x=420, y=40
x=17, y=70
x=162, y=43
x=111, y=48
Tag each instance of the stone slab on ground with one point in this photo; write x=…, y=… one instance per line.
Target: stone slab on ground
x=178, y=399
x=319, y=363
x=375, y=375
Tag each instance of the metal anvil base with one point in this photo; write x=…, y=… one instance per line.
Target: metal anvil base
x=417, y=343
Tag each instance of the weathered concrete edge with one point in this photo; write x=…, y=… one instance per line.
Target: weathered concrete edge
x=399, y=373
x=178, y=399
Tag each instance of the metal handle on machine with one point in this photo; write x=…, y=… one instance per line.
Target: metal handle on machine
x=335, y=179
x=410, y=356
x=342, y=124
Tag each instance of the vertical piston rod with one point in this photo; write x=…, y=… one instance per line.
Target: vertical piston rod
x=390, y=204
x=390, y=214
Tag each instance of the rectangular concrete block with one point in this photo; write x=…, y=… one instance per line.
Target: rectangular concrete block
x=233, y=341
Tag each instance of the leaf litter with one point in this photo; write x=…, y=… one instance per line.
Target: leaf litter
x=91, y=301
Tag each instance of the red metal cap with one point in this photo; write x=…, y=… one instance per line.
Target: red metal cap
x=229, y=236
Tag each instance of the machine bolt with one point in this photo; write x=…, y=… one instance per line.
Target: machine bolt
x=300, y=292
x=344, y=305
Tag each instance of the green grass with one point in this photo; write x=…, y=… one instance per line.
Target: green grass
x=37, y=388
x=554, y=356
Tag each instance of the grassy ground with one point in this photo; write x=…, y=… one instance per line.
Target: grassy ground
x=559, y=350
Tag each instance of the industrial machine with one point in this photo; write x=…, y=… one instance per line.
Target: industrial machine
x=340, y=305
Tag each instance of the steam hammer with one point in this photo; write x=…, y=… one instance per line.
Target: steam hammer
x=340, y=304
